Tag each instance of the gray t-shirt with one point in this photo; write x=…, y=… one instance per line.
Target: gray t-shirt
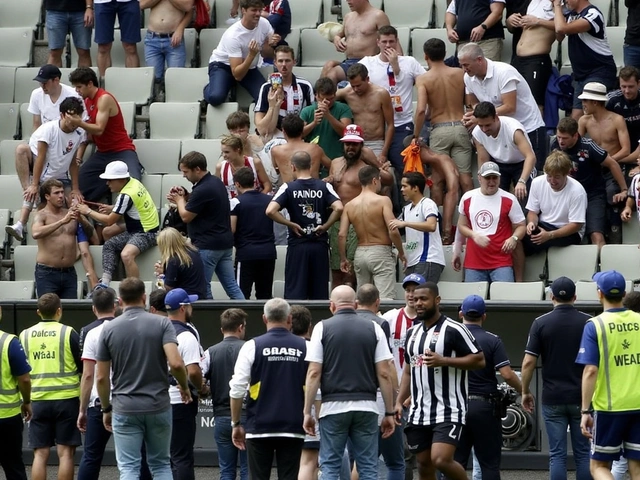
x=133, y=342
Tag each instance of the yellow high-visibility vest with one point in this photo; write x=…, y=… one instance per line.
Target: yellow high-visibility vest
x=10, y=399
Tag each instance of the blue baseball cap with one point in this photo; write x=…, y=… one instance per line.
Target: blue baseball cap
x=473, y=306
x=177, y=297
x=611, y=283
x=413, y=278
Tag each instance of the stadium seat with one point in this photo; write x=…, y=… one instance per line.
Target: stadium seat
x=9, y=114
x=278, y=288
x=281, y=251
x=615, y=36
x=130, y=84
x=209, y=39
x=210, y=148
x=96, y=255
x=631, y=231
x=20, y=14
x=7, y=80
x=457, y=291
x=185, y=85
x=404, y=37
x=305, y=13
x=148, y=287
x=410, y=13
x=26, y=122
x=293, y=39
x=153, y=184
x=605, y=7
x=11, y=192
x=438, y=12
x=17, y=290
x=16, y=47
x=8, y=156
x=128, y=110
x=312, y=74
x=24, y=261
x=524, y=291
x=534, y=267
x=317, y=50
x=174, y=120
x=220, y=10
x=157, y=156
x=623, y=258
x=215, y=124
x=328, y=16
x=217, y=290
x=190, y=36
x=146, y=264
x=28, y=239
x=169, y=181
x=25, y=84
x=578, y=262
x=588, y=291
x=419, y=36
x=449, y=274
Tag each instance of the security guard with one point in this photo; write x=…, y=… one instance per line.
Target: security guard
x=53, y=349
x=15, y=404
x=483, y=429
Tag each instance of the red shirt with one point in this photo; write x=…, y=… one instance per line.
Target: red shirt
x=115, y=137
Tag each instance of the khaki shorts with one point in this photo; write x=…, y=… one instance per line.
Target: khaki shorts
x=492, y=48
x=334, y=252
x=375, y=145
x=455, y=142
x=376, y=264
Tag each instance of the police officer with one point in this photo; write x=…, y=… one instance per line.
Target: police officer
x=483, y=429
x=53, y=349
x=15, y=404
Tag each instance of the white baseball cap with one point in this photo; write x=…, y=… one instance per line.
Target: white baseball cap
x=116, y=170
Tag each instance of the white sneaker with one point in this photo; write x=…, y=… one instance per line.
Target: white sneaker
x=15, y=231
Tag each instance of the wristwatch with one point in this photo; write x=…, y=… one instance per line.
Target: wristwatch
x=107, y=409
x=522, y=180
x=515, y=237
x=389, y=414
x=484, y=26
x=235, y=424
x=586, y=412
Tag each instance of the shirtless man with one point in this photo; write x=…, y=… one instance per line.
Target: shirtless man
x=372, y=110
x=532, y=57
x=370, y=215
x=608, y=130
x=357, y=39
x=164, y=41
x=55, y=228
x=344, y=178
x=442, y=90
x=292, y=126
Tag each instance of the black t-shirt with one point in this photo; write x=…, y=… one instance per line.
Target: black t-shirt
x=211, y=228
x=254, y=237
x=470, y=14
x=632, y=35
x=586, y=157
x=308, y=202
x=484, y=381
x=630, y=111
x=64, y=5
x=188, y=277
x=556, y=337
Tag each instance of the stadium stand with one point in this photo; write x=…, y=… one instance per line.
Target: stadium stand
x=158, y=156
x=130, y=84
x=525, y=291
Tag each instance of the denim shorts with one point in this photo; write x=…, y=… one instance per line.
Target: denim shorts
x=128, y=17
x=60, y=23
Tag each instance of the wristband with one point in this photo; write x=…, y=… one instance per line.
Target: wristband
x=524, y=182
x=107, y=409
x=586, y=412
x=389, y=414
x=89, y=7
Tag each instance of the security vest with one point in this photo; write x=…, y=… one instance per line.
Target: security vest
x=619, y=349
x=10, y=399
x=144, y=204
x=54, y=375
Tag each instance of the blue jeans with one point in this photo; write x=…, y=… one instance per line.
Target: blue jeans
x=129, y=431
x=392, y=451
x=631, y=55
x=502, y=274
x=361, y=428
x=221, y=80
x=60, y=23
x=556, y=419
x=61, y=281
x=228, y=455
x=158, y=50
x=221, y=262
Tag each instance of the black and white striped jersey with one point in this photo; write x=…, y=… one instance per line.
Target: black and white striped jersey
x=438, y=394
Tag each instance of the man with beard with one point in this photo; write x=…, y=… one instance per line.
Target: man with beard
x=344, y=178
x=430, y=377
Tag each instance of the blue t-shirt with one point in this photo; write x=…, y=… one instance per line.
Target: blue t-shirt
x=308, y=202
x=586, y=157
x=254, y=238
x=589, y=52
x=18, y=359
x=589, y=353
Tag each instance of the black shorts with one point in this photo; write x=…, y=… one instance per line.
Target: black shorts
x=54, y=423
x=596, y=213
x=421, y=437
x=536, y=70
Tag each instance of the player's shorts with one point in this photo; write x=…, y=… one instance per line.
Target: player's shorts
x=334, y=252
x=54, y=423
x=613, y=432
x=422, y=437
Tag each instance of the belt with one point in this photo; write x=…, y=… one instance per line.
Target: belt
x=54, y=269
x=159, y=35
x=482, y=398
x=446, y=124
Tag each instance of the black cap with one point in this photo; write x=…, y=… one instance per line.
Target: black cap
x=563, y=288
x=48, y=72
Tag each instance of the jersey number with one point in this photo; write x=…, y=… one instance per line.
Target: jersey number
x=452, y=433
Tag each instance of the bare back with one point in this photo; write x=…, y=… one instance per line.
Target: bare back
x=345, y=180
x=603, y=132
x=367, y=213
x=281, y=156
x=361, y=31
x=367, y=111
x=59, y=248
x=164, y=17
x=444, y=89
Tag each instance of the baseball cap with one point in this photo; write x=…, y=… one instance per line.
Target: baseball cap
x=177, y=297
x=489, y=168
x=115, y=170
x=413, y=278
x=594, y=91
x=611, y=283
x=563, y=288
x=47, y=72
x=473, y=306
x=352, y=133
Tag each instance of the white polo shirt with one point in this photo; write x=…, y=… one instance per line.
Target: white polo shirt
x=502, y=148
x=503, y=78
x=402, y=92
x=235, y=42
x=40, y=103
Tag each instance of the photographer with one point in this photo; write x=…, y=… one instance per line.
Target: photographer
x=483, y=429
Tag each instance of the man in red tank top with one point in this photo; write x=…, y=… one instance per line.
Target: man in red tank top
x=106, y=128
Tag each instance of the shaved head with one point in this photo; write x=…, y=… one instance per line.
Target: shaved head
x=343, y=295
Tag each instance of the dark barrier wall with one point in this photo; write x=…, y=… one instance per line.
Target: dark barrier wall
x=508, y=320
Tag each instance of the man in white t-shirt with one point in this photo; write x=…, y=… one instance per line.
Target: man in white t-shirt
x=397, y=74
x=633, y=200
x=557, y=207
x=236, y=58
x=183, y=435
x=420, y=219
x=52, y=152
x=504, y=140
